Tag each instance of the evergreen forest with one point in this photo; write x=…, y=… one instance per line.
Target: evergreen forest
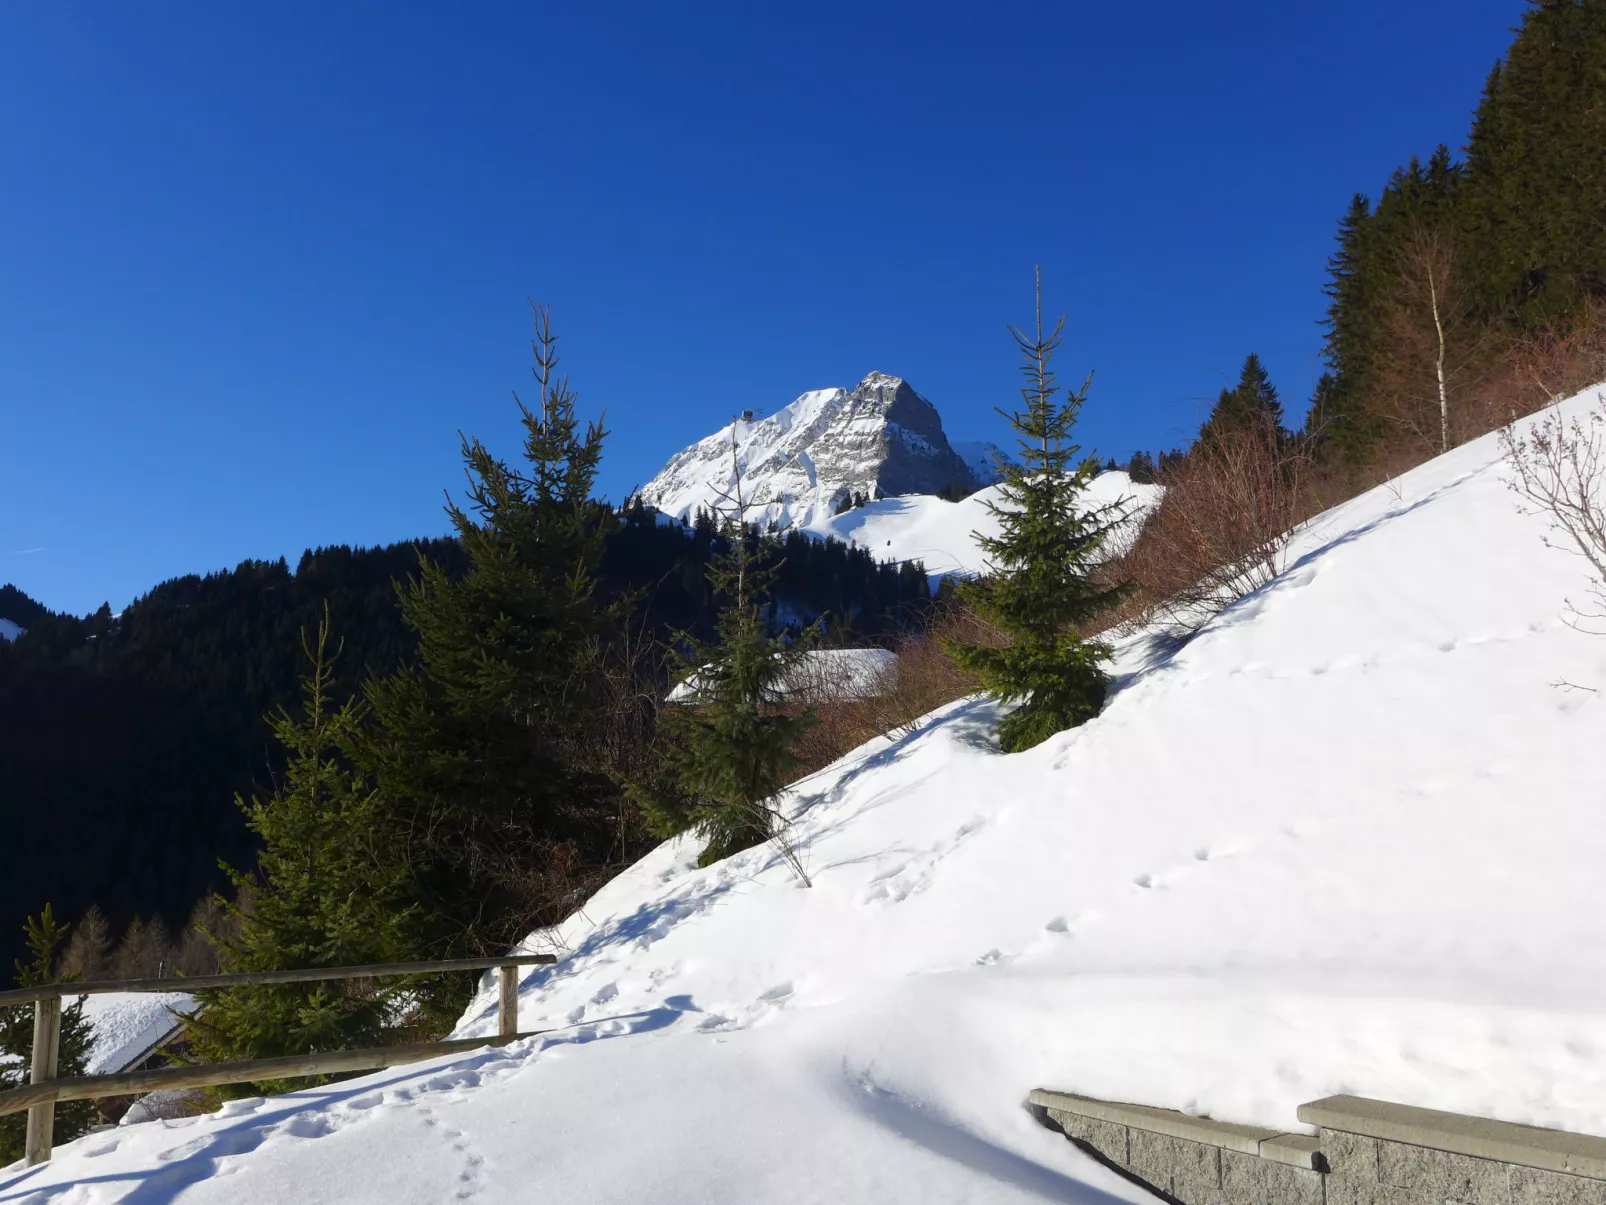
x=124, y=740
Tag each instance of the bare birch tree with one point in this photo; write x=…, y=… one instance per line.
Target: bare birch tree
x=1430, y=340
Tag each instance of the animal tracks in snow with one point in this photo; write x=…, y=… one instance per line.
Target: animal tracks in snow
x=472, y=1163
x=1182, y=871
x=912, y=874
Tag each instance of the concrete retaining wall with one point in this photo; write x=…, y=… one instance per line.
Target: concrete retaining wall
x=1391, y=1154
x=1193, y=1160
x=1364, y=1152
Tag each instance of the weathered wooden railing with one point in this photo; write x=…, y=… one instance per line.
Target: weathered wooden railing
x=43, y=1090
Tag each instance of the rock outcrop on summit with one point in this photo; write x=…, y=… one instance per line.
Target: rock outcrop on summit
x=798, y=464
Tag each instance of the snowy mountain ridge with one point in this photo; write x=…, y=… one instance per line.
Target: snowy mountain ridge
x=798, y=464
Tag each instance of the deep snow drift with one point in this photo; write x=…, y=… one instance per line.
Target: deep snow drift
x=1348, y=839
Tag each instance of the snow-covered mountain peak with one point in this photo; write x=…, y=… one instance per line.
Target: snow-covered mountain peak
x=797, y=464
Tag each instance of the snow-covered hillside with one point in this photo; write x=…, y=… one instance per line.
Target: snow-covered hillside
x=985, y=460
x=9, y=630
x=799, y=463
x=1347, y=839
x=942, y=535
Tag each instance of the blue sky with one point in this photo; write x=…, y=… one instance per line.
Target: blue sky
x=259, y=264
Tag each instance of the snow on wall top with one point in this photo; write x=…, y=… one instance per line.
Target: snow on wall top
x=1347, y=839
x=800, y=462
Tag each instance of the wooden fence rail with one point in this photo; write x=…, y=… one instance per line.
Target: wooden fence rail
x=43, y=1090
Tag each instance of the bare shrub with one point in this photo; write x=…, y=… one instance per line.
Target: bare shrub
x=542, y=890
x=928, y=675
x=145, y=952
x=619, y=738
x=900, y=693
x=88, y=951
x=1430, y=347
x=195, y=949
x=1555, y=362
x=1221, y=530
x=1560, y=470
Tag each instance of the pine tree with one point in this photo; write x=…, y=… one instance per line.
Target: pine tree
x=482, y=746
x=1141, y=468
x=1536, y=177
x=329, y=890
x=1041, y=588
x=1251, y=405
x=45, y=937
x=728, y=751
x=1420, y=201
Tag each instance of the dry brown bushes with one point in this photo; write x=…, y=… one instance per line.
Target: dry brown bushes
x=1221, y=530
x=1223, y=527
x=923, y=678
x=1497, y=376
x=145, y=949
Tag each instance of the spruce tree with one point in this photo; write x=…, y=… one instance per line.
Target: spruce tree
x=727, y=751
x=482, y=746
x=1040, y=588
x=1535, y=173
x=45, y=937
x=329, y=891
x=1251, y=405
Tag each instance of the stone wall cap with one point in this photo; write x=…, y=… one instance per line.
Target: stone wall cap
x=1298, y=1150
x=1246, y=1139
x=1458, y=1133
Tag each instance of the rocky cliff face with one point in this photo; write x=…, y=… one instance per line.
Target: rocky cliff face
x=798, y=464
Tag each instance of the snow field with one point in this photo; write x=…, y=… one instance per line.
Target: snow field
x=1347, y=839
x=942, y=535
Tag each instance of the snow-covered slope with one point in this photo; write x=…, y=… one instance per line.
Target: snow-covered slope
x=800, y=462
x=984, y=460
x=9, y=630
x=942, y=535
x=1347, y=839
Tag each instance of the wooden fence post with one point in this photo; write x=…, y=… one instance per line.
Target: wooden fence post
x=46, y=1053
x=507, y=1005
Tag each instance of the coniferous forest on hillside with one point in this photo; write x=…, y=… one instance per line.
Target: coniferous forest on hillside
x=124, y=741
x=494, y=694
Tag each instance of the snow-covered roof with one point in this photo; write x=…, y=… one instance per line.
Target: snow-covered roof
x=822, y=676
x=129, y=1025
